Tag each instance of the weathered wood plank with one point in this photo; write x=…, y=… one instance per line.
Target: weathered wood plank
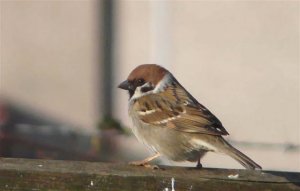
x=26, y=174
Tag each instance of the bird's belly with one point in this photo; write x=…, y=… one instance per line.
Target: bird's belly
x=173, y=144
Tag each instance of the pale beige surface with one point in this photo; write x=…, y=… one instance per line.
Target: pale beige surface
x=49, y=57
x=243, y=59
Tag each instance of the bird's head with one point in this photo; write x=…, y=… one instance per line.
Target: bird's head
x=145, y=79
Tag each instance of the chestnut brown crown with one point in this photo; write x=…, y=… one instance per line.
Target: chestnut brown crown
x=146, y=73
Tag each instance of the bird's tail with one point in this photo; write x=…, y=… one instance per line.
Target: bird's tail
x=239, y=156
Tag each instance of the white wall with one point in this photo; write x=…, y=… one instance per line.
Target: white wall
x=49, y=57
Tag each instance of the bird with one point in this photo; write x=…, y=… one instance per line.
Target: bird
x=171, y=122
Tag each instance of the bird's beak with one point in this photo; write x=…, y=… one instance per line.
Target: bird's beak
x=124, y=85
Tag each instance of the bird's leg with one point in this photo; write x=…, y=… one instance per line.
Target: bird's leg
x=145, y=161
x=201, y=154
x=199, y=165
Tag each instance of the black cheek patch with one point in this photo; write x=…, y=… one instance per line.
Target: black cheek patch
x=146, y=89
x=131, y=92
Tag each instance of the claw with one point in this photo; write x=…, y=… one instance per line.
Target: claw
x=146, y=165
x=199, y=165
x=138, y=163
x=145, y=161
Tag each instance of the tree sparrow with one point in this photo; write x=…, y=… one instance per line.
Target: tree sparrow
x=171, y=122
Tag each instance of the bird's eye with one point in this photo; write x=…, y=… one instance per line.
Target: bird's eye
x=141, y=81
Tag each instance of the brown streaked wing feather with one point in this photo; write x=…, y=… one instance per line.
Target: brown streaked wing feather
x=175, y=108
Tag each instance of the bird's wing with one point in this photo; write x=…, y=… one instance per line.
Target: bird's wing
x=176, y=109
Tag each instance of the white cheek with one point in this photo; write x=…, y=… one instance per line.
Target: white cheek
x=137, y=93
x=163, y=83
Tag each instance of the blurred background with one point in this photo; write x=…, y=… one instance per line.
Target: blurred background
x=61, y=62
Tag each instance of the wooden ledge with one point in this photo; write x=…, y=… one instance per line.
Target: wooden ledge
x=32, y=174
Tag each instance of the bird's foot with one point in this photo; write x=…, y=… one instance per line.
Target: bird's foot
x=145, y=164
x=138, y=163
x=199, y=165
